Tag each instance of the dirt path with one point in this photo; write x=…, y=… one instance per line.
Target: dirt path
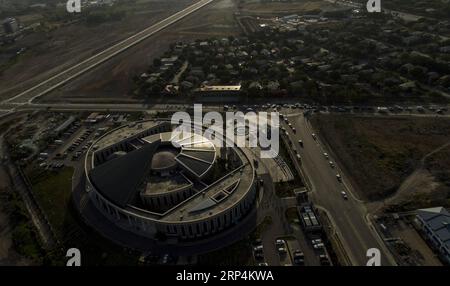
x=421, y=180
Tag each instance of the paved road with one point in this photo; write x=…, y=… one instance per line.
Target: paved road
x=348, y=216
x=86, y=65
x=124, y=107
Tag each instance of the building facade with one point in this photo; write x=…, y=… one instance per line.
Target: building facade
x=195, y=197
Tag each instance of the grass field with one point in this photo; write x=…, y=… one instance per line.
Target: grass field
x=24, y=237
x=380, y=153
x=53, y=192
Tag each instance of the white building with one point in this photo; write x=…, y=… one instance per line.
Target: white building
x=435, y=223
x=145, y=184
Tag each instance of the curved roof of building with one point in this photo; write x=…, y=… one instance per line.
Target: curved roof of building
x=120, y=178
x=197, y=154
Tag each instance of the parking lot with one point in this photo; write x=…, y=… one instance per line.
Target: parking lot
x=71, y=144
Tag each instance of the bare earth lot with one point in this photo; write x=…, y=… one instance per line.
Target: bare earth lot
x=114, y=79
x=52, y=50
x=274, y=8
x=403, y=161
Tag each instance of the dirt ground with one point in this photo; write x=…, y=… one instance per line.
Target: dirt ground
x=113, y=79
x=387, y=160
x=252, y=7
x=422, y=252
x=50, y=52
x=428, y=185
x=405, y=242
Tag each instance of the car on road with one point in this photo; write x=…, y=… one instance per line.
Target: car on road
x=344, y=195
x=314, y=136
x=300, y=142
x=299, y=157
x=166, y=259
x=331, y=164
x=324, y=260
x=326, y=155
x=280, y=243
x=282, y=250
x=258, y=248
x=316, y=241
x=299, y=257
x=263, y=264
x=318, y=246
x=339, y=178
x=259, y=255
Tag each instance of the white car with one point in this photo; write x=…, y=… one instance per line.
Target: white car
x=318, y=246
x=280, y=242
x=263, y=264
x=344, y=195
x=316, y=241
x=282, y=250
x=326, y=155
x=331, y=164
x=314, y=136
x=339, y=178
x=258, y=248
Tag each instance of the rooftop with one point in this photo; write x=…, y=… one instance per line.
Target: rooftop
x=438, y=220
x=122, y=133
x=121, y=179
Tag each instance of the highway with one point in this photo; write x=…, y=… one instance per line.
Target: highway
x=71, y=73
x=347, y=216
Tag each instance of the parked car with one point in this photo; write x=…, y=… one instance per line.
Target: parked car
x=299, y=257
x=282, y=250
x=280, y=242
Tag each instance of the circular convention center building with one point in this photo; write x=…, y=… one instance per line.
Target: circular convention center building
x=148, y=181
